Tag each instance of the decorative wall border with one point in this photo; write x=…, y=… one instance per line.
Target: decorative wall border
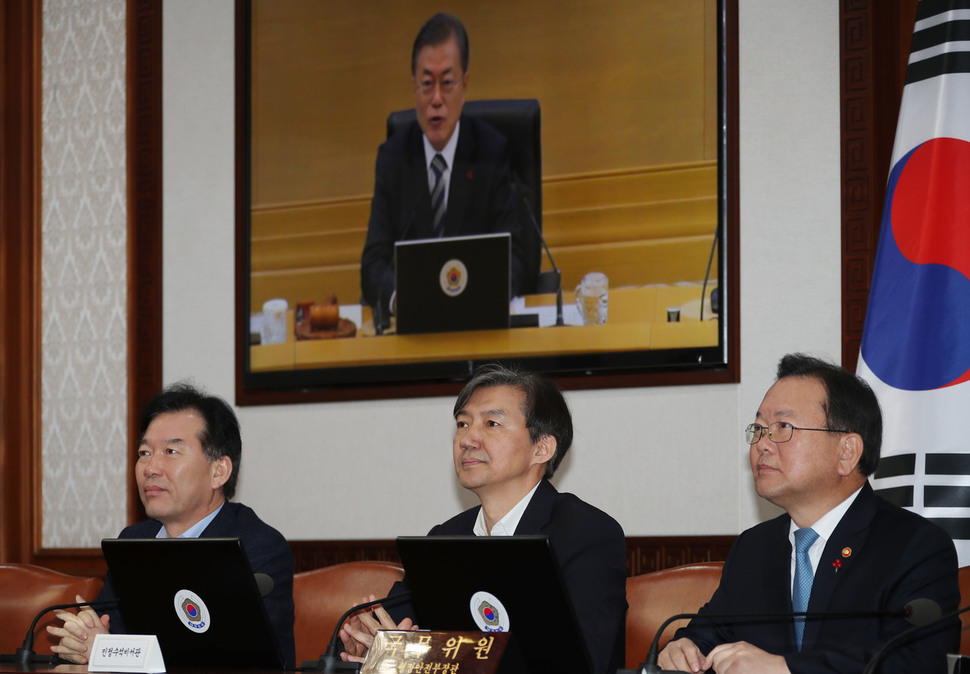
x=874, y=48
x=20, y=147
x=144, y=45
x=20, y=89
x=643, y=554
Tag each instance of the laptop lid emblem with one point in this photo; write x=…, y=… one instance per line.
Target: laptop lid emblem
x=488, y=612
x=192, y=611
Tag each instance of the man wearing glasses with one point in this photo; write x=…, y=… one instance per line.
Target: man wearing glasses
x=445, y=175
x=839, y=548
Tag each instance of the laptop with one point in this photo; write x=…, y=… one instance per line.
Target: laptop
x=497, y=583
x=453, y=283
x=199, y=596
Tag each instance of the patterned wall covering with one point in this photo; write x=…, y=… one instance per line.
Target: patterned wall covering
x=84, y=321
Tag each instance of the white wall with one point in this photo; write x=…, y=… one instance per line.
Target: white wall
x=661, y=460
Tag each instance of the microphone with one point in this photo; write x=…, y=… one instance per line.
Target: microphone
x=929, y=619
x=917, y=612
x=25, y=655
x=707, y=275
x=517, y=186
x=264, y=583
x=330, y=661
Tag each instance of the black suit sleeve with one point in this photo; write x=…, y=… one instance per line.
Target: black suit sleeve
x=271, y=554
x=376, y=263
x=593, y=563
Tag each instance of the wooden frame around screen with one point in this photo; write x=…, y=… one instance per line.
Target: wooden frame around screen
x=289, y=386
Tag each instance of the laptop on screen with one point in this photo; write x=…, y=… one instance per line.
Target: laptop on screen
x=198, y=596
x=454, y=283
x=497, y=583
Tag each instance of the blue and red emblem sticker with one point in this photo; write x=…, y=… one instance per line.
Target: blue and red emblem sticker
x=192, y=611
x=488, y=612
x=453, y=277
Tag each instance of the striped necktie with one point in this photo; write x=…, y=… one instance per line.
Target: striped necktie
x=804, y=577
x=438, y=167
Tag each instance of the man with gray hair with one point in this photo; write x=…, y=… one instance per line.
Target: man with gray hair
x=512, y=431
x=838, y=549
x=189, y=450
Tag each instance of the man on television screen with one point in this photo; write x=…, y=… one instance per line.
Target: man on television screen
x=446, y=174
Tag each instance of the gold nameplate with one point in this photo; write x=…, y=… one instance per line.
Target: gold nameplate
x=420, y=652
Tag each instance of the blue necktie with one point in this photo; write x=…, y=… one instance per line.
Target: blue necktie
x=438, y=167
x=804, y=576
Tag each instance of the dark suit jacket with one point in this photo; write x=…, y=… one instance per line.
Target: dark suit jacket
x=480, y=201
x=268, y=553
x=888, y=557
x=591, y=549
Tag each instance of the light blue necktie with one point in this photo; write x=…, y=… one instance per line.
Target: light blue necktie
x=802, y=587
x=438, y=166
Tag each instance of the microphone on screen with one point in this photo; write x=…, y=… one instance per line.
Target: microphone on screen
x=517, y=186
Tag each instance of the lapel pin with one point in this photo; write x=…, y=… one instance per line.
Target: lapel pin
x=846, y=552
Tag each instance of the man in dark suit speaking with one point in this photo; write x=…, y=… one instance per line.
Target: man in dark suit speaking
x=838, y=548
x=512, y=431
x=445, y=175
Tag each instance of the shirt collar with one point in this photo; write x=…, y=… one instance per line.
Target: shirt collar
x=826, y=524
x=448, y=152
x=508, y=524
x=196, y=529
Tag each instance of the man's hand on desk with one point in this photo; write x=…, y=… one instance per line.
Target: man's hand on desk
x=734, y=658
x=359, y=630
x=682, y=655
x=77, y=633
x=741, y=657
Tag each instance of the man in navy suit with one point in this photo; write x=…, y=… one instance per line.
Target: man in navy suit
x=468, y=157
x=814, y=442
x=189, y=451
x=512, y=431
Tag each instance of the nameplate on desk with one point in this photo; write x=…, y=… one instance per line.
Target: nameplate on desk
x=421, y=652
x=139, y=653
x=957, y=664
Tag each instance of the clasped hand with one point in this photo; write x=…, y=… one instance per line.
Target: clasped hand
x=359, y=630
x=733, y=658
x=78, y=632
